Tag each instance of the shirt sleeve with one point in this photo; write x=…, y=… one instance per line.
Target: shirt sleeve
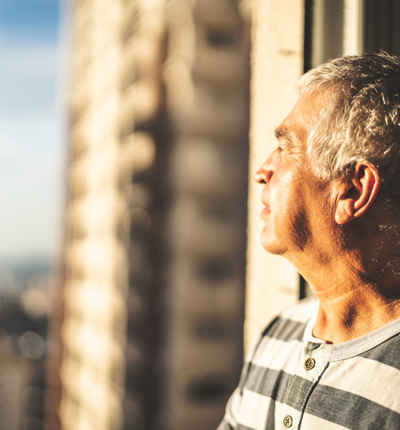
x=229, y=421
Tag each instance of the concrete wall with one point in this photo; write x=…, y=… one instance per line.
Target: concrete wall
x=277, y=64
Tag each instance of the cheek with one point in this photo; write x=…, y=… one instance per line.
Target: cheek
x=281, y=209
x=282, y=195
x=287, y=202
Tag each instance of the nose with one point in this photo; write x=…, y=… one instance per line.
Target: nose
x=264, y=173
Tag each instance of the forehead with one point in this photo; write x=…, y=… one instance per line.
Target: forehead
x=297, y=125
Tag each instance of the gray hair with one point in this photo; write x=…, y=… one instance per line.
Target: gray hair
x=360, y=120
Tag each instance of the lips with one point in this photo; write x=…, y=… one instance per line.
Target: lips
x=265, y=212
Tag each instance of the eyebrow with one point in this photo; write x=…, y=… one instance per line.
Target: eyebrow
x=286, y=138
x=283, y=133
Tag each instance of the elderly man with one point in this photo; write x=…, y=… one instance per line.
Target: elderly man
x=331, y=196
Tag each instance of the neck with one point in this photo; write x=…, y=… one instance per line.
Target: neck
x=347, y=316
x=358, y=291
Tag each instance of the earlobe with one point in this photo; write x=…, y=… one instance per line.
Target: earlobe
x=356, y=195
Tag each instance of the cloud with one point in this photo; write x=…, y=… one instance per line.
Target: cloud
x=31, y=195
x=31, y=140
x=41, y=57
x=27, y=76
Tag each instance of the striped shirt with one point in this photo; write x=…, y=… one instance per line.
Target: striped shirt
x=292, y=380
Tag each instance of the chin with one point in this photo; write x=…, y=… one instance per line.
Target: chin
x=272, y=245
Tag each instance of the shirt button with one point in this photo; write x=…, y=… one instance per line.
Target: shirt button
x=309, y=363
x=288, y=421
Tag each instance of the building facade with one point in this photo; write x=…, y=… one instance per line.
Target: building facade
x=152, y=298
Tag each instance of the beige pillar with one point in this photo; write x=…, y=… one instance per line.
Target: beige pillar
x=353, y=27
x=277, y=64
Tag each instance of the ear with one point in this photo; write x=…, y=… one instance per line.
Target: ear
x=356, y=194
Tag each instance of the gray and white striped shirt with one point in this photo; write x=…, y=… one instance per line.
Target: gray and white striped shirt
x=292, y=380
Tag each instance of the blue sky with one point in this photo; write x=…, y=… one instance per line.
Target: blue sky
x=31, y=128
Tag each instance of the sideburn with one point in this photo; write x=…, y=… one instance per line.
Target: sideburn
x=300, y=230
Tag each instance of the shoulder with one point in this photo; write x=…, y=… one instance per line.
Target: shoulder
x=292, y=319
x=281, y=341
x=288, y=326
x=301, y=311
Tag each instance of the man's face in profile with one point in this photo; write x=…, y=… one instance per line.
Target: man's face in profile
x=292, y=195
